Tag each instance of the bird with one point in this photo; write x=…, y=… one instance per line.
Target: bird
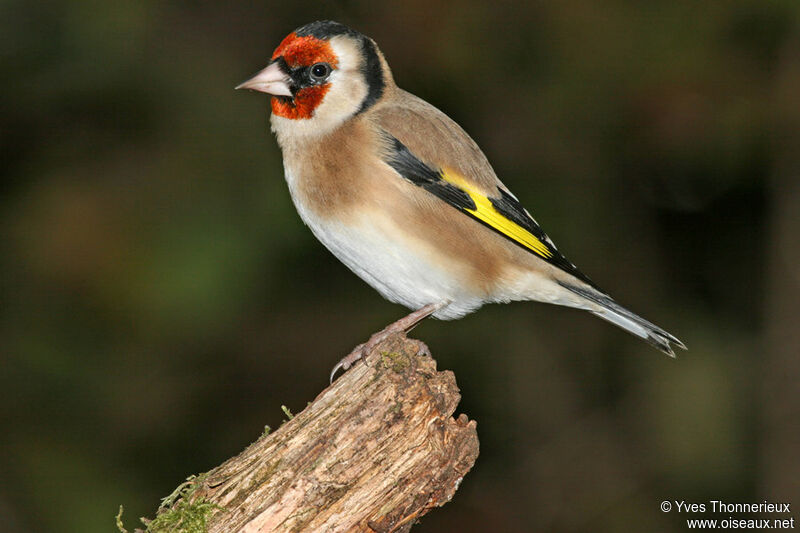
x=404, y=197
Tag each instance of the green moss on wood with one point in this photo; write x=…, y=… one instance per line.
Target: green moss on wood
x=120, y=525
x=178, y=512
x=398, y=362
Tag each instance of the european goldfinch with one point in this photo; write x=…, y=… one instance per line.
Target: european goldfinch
x=399, y=193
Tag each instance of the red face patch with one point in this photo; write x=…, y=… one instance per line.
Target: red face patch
x=305, y=102
x=303, y=52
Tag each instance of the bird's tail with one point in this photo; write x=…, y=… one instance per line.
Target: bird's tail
x=608, y=309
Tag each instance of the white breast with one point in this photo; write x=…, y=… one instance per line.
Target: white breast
x=402, y=271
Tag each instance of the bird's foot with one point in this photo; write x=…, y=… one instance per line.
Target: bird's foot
x=403, y=325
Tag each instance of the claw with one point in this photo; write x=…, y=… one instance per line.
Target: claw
x=403, y=325
x=339, y=365
x=347, y=361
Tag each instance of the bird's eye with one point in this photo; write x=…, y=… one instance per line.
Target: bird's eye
x=319, y=72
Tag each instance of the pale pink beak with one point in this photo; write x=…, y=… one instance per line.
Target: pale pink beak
x=271, y=80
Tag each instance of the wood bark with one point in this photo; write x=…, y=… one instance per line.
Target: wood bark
x=373, y=452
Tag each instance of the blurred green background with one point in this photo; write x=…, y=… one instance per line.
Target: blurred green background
x=160, y=298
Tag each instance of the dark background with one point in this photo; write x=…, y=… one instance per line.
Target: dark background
x=160, y=298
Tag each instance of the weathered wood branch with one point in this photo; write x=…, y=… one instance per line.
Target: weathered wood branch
x=373, y=452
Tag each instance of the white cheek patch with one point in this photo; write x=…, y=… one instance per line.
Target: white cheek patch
x=347, y=86
x=343, y=98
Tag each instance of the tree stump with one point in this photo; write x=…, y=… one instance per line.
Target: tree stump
x=373, y=452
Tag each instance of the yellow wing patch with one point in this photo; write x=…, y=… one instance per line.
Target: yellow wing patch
x=486, y=213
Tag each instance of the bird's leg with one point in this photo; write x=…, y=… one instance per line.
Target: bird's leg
x=403, y=325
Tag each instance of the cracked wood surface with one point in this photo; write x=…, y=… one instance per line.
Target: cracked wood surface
x=373, y=452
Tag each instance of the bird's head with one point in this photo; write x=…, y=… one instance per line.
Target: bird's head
x=320, y=75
